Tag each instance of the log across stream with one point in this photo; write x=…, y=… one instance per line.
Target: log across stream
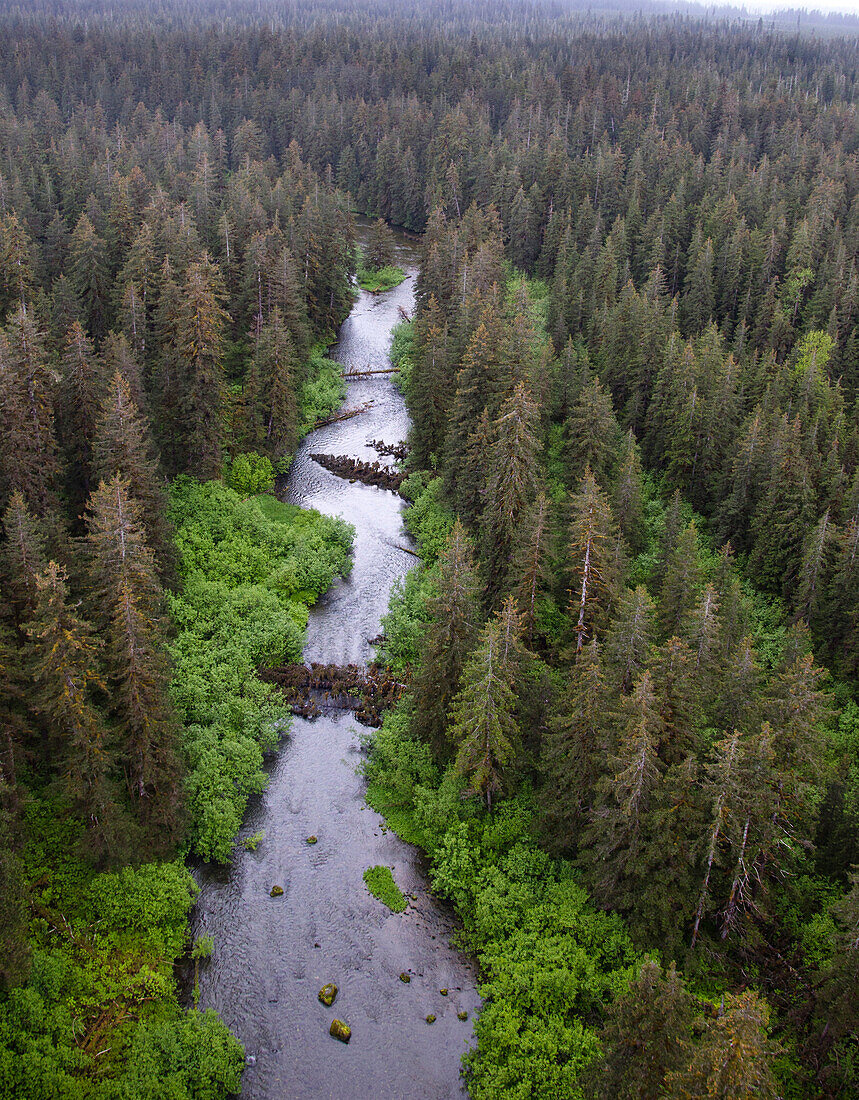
x=272, y=955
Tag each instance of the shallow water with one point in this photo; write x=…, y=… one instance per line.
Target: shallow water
x=272, y=955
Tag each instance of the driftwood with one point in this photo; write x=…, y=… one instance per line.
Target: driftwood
x=370, y=473
x=395, y=450
x=403, y=313
x=313, y=689
x=347, y=415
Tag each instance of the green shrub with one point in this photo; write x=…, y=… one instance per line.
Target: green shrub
x=380, y=883
x=250, y=474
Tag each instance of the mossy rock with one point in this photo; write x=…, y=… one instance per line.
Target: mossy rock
x=340, y=1031
x=311, y=840
x=462, y=1015
x=443, y=992
x=404, y=977
x=431, y=1019
x=328, y=994
x=276, y=891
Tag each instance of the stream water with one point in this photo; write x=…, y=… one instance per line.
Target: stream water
x=272, y=955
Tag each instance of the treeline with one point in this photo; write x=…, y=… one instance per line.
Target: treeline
x=144, y=334
x=591, y=628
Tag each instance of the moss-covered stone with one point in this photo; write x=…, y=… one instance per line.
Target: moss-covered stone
x=312, y=840
x=462, y=1015
x=443, y=992
x=276, y=891
x=340, y=1031
x=328, y=994
x=431, y=1019
x=404, y=977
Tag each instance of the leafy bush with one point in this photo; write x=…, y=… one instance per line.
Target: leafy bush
x=380, y=883
x=250, y=473
x=323, y=390
x=251, y=568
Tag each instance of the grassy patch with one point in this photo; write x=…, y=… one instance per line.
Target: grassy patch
x=380, y=883
x=379, y=279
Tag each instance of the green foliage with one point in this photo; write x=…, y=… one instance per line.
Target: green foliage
x=251, y=568
x=378, y=279
x=250, y=474
x=402, y=354
x=380, y=883
x=404, y=625
x=323, y=390
x=429, y=518
x=179, y=1056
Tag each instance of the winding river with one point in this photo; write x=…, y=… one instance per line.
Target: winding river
x=272, y=955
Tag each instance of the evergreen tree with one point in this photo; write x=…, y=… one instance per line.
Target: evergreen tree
x=80, y=394
x=22, y=558
x=530, y=560
x=64, y=663
x=630, y=636
x=122, y=446
x=732, y=1059
x=28, y=449
x=199, y=347
x=574, y=747
x=618, y=828
x=380, y=246
x=127, y=597
x=448, y=641
x=628, y=497
x=647, y=1035
x=593, y=435
x=483, y=724
x=681, y=581
x=594, y=567
x=270, y=401
x=512, y=483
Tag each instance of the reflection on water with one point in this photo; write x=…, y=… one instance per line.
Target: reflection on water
x=272, y=955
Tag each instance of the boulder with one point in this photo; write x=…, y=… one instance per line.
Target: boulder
x=276, y=891
x=328, y=994
x=311, y=840
x=462, y=1015
x=404, y=977
x=340, y=1031
x=430, y=1019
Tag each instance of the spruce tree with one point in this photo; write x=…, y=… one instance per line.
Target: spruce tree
x=512, y=483
x=619, y=822
x=22, y=558
x=574, y=749
x=592, y=559
x=680, y=582
x=80, y=394
x=483, y=726
x=127, y=598
x=448, y=640
x=529, y=569
x=63, y=660
x=271, y=413
x=122, y=446
x=630, y=636
x=647, y=1035
x=28, y=448
x=732, y=1059
x=199, y=347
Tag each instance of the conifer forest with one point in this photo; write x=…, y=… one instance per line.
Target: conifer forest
x=613, y=704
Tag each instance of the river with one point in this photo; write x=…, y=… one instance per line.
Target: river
x=272, y=955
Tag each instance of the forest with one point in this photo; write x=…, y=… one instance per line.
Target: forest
x=630, y=740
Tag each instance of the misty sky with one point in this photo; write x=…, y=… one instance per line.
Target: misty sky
x=851, y=6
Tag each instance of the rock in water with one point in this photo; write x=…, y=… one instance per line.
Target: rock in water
x=340, y=1031
x=276, y=891
x=404, y=977
x=462, y=1015
x=328, y=994
x=431, y=1019
x=311, y=840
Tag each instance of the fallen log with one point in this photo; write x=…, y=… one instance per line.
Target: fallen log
x=367, y=373
x=370, y=473
x=394, y=450
x=347, y=415
x=313, y=689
